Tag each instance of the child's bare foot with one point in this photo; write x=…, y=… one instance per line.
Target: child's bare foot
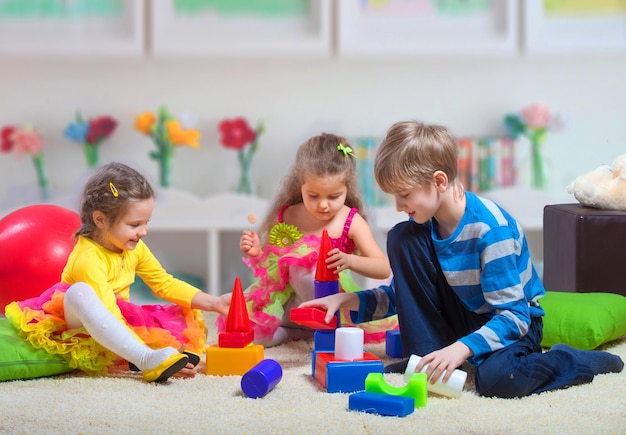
x=189, y=371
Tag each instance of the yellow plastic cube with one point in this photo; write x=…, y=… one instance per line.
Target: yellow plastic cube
x=227, y=361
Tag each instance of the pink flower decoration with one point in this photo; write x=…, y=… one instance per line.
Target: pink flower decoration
x=27, y=141
x=536, y=116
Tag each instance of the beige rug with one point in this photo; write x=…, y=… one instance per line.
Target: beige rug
x=122, y=403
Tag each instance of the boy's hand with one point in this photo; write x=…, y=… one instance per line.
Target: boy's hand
x=333, y=303
x=443, y=360
x=249, y=243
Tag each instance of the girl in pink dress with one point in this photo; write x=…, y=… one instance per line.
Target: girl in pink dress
x=320, y=192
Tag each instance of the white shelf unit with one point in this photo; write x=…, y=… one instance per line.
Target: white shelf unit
x=180, y=212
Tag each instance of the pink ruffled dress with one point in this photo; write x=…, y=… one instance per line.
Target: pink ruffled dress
x=285, y=274
x=41, y=320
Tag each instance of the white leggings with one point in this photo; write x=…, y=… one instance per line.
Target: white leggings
x=83, y=308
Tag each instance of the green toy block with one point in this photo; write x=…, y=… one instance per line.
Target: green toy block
x=416, y=388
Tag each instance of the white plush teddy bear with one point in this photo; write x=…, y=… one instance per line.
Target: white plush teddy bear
x=604, y=187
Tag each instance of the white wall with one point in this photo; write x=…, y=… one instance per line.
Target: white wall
x=301, y=98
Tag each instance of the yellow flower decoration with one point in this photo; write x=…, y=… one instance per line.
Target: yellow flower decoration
x=178, y=136
x=283, y=234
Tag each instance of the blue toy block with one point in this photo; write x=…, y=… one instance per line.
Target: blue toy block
x=324, y=340
x=416, y=388
x=313, y=358
x=341, y=376
x=393, y=344
x=381, y=404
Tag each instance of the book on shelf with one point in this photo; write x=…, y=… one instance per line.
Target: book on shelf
x=486, y=162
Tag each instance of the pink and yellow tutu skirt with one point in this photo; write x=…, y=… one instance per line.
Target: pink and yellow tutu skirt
x=41, y=321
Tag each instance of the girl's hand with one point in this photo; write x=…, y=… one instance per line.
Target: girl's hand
x=249, y=243
x=338, y=260
x=444, y=361
x=206, y=302
x=333, y=303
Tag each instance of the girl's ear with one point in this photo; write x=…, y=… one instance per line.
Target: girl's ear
x=441, y=181
x=99, y=219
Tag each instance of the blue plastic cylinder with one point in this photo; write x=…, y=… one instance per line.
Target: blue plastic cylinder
x=325, y=288
x=261, y=379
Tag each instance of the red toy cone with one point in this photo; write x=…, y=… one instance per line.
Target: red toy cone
x=238, y=319
x=323, y=273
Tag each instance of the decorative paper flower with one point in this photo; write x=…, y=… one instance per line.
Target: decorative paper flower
x=25, y=140
x=534, y=122
x=283, y=234
x=167, y=133
x=90, y=134
x=237, y=135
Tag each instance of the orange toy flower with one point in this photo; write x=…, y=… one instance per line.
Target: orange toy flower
x=144, y=122
x=167, y=134
x=179, y=136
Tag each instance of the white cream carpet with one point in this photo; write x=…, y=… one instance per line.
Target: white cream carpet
x=122, y=403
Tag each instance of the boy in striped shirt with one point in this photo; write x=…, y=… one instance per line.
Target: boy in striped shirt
x=464, y=286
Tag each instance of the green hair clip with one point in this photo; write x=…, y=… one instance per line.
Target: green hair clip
x=346, y=150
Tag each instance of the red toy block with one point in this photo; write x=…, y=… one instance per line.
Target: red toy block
x=311, y=317
x=341, y=376
x=235, y=338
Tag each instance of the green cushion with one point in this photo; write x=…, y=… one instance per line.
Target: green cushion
x=20, y=360
x=583, y=320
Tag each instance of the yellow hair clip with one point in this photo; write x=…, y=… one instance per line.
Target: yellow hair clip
x=113, y=190
x=346, y=150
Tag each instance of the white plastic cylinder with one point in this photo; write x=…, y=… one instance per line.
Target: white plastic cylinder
x=349, y=343
x=452, y=388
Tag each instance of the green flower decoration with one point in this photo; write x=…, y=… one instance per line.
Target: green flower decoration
x=283, y=234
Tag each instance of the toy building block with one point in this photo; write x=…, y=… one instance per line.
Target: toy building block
x=416, y=388
x=261, y=379
x=227, y=361
x=326, y=281
x=311, y=317
x=340, y=376
x=324, y=340
x=239, y=332
x=235, y=338
x=381, y=404
x=393, y=344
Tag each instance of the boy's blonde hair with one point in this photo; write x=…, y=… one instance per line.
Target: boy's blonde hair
x=411, y=153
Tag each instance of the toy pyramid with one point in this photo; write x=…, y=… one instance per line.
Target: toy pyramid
x=326, y=281
x=235, y=353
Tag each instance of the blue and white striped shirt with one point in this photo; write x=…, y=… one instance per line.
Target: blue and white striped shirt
x=487, y=263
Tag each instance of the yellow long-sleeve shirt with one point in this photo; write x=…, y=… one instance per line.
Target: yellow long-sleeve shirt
x=111, y=274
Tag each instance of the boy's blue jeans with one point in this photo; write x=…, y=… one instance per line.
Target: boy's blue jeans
x=431, y=316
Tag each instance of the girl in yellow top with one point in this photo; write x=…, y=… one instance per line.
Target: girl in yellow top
x=88, y=317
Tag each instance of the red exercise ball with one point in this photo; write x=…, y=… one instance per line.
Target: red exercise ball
x=35, y=242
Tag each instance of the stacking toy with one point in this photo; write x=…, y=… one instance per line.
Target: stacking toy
x=261, y=378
